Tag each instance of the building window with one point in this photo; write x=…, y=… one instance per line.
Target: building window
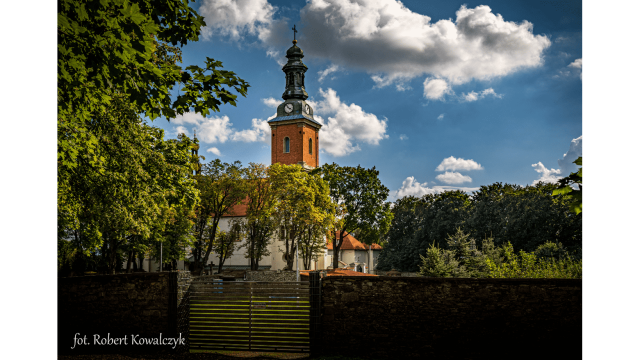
x=282, y=233
x=286, y=145
x=310, y=147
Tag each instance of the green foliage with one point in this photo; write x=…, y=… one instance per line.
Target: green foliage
x=359, y=197
x=441, y=263
x=120, y=183
x=221, y=186
x=528, y=265
x=303, y=201
x=568, y=191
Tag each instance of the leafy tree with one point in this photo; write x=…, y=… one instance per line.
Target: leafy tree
x=362, y=195
x=568, y=190
x=225, y=243
x=115, y=65
x=259, y=223
x=422, y=222
x=525, y=216
x=221, y=187
x=465, y=252
x=143, y=177
x=399, y=248
x=302, y=201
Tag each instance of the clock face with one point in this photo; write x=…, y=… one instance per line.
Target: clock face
x=288, y=108
x=307, y=108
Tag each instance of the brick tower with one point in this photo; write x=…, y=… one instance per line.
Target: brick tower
x=294, y=132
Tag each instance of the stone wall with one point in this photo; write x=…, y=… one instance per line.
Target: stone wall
x=271, y=275
x=144, y=304
x=403, y=273
x=414, y=317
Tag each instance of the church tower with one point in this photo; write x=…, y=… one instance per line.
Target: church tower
x=294, y=132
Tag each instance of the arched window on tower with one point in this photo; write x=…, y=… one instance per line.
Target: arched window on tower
x=310, y=147
x=286, y=145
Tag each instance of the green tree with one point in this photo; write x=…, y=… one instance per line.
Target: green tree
x=432, y=218
x=440, y=263
x=115, y=65
x=567, y=189
x=259, y=223
x=225, y=243
x=221, y=187
x=302, y=201
x=528, y=265
x=362, y=198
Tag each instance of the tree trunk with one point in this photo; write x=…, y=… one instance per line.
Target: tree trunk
x=129, y=261
x=336, y=248
x=211, y=238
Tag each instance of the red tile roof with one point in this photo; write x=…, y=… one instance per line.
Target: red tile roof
x=337, y=272
x=350, y=243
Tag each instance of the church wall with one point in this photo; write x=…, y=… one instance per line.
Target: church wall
x=294, y=132
x=313, y=134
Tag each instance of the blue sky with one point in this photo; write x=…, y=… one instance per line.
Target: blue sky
x=435, y=95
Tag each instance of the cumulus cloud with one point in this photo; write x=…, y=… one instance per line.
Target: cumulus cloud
x=393, y=43
x=259, y=131
x=238, y=19
x=575, y=151
x=441, y=116
x=473, y=96
x=412, y=187
x=271, y=102
x=458, y=164
x=546, y=175
x=436, y=89
x=214, y=150
x=219, y=129
x=453, y=178
x=215, y=129
x=345, y=125
x=324, y=73
x=577, y=64
x=403, y=137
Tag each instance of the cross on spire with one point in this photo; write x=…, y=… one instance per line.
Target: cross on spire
x=294, y=32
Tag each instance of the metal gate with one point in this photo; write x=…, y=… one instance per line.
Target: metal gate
x=253, y=316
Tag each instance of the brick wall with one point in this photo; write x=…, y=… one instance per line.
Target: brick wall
x=144, y=304
x=413, y=317
x=299, y=135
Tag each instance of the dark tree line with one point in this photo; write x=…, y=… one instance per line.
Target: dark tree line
x=527, y=217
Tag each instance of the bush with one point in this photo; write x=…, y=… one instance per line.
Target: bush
x=528, y=265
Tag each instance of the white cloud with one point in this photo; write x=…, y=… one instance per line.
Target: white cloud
x=575, y=151
x=577, y=63
x=411, y=187
x=346, y=124
x=214, y=151
x=271, y=102
x=473, y=96
x=215, y=129
x=403, y=137
x=435, y=89
x=453, y=178
x=236, y=18
x=393, y=43
x=239, y=19
x=441, y=116
x=323, y=73
x=414, y=188
x=546, y=175
x=188, y=118
x=459, y=164
x=260, y=131
x=181, y=130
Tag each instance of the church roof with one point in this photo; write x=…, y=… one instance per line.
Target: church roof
x=293, y=117
x=351, y=243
